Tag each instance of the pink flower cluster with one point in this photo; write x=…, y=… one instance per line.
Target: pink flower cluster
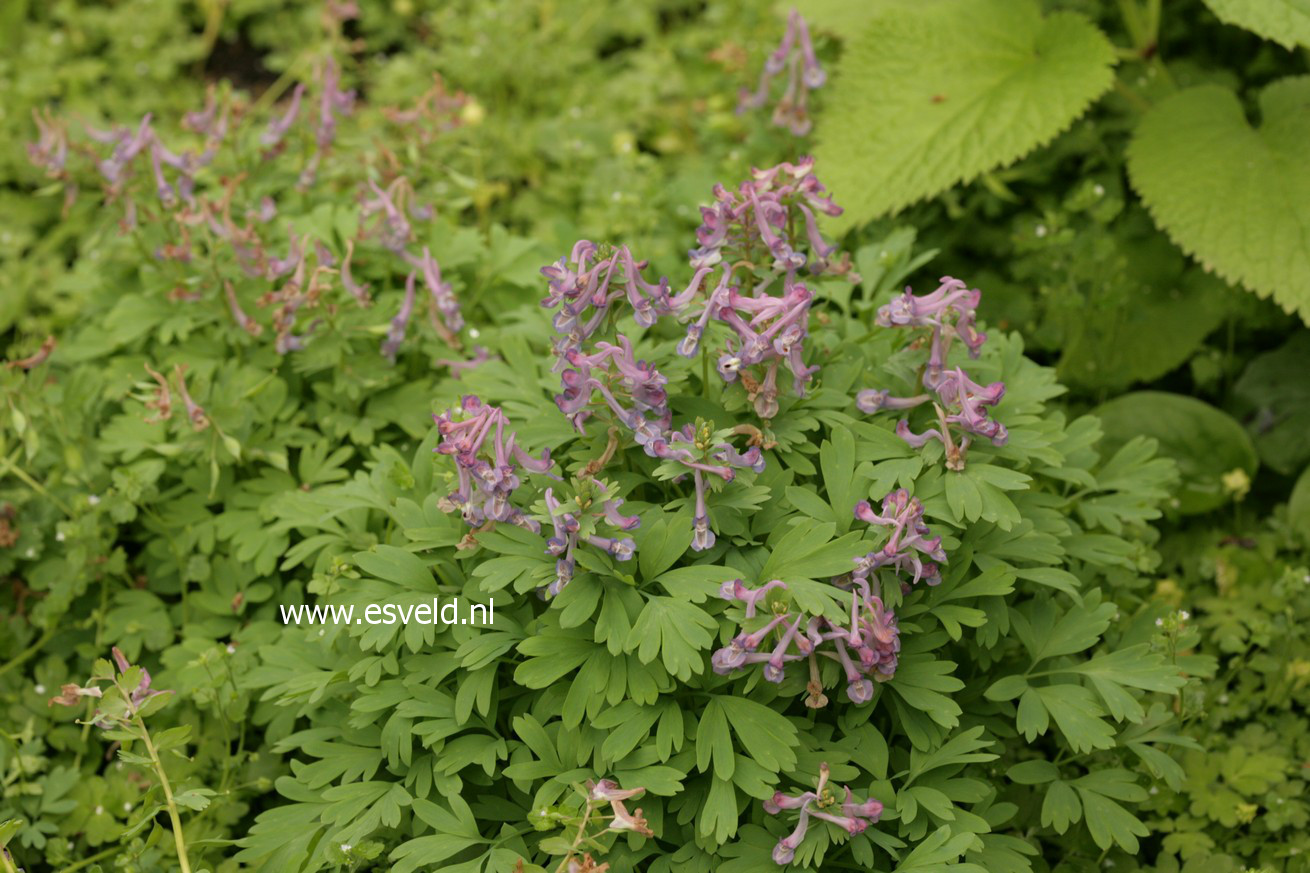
x=487, y=458
x=386, y=210
x=697, y=449
x=763, y=217
x=851, y=815
x=948, y=313
x=795, y=54
x=866, y=649
x=618, y=377
x=577, y=522
x=761, y=222
x=910, y=539
x=585, y=285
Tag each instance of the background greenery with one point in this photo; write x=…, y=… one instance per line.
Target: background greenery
x=1127, y=182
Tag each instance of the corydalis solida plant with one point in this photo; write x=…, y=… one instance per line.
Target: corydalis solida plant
x=202, y=197
x=946, y=314
x=794, y=56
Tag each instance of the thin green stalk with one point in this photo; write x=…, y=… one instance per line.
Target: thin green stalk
x=87, y=862
x=178, y=838
x=4, y=859
x=7, y=466
x=31, y=650
x=577, y=839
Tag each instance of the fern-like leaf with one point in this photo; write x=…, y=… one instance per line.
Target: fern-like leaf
x=1236, y=198
x=936, y=93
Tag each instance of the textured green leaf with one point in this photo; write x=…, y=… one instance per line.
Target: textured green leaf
x=1002, y=80
x=1236, y=198
x=1298, y=505
x=1274, y=397
x=1205, y=442
x=1286, y=22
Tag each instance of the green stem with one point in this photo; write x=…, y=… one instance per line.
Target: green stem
x=31, y=650
x=7, y=466
x=178, y=838
x=577, y=839
x=87, y=862
x=4, y=859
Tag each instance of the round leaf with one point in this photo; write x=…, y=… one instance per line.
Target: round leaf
x=1205, y=442
x=1236, y=198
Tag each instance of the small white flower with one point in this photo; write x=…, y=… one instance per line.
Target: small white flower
x=93, y=499
x=474, y=333
x=100, y=810
x=59, y=536
x=616, y=196
x=1159, y=622
x=1154, y=790
x=1184, y=615
x=1040, y=231
x=30, y=553
x=1223, y=698
x=1098, y=189
x=322, y=631
x=231, y=649
x=345, y=848
x=127, y=807
x=39, y=689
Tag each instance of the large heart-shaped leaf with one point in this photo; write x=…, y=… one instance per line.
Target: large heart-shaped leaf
x=935, y=93
x=1274, y=398
x=1286, y=22
x=1206, y=442
x=1236, y=198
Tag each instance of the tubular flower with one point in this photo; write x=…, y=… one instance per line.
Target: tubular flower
x=852, y=816
x=770, y=218
x=961, y=404
x=578, y=520
x=632, y=389
x=585, y=285
x=487, y=460
x=910, y=538
x=705, y=453
x=396, y=332
x=865, y=645
x=444, y=302
x=795, y=55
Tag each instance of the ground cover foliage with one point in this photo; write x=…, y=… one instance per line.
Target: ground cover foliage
x=596, y=314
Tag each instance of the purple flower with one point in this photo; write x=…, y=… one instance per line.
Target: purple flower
x=735, y=590
x=948, y=313
x=909, y=540
x=795, y=54
x=443, y=295
x=396, y=332
x=487, y=459
x=855, y=817
x=577, y=521
x=272, y=136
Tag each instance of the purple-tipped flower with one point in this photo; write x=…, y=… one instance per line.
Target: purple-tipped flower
x=854, y=818
x=795, y=55
x=736, y=590
x=910, y=540
x=948, y=313
x=487, y=459
x=277, y=129
x=577, y=520
x=396, y=332
x=444, y=301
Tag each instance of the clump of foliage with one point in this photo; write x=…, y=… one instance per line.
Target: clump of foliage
x=789, y=565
